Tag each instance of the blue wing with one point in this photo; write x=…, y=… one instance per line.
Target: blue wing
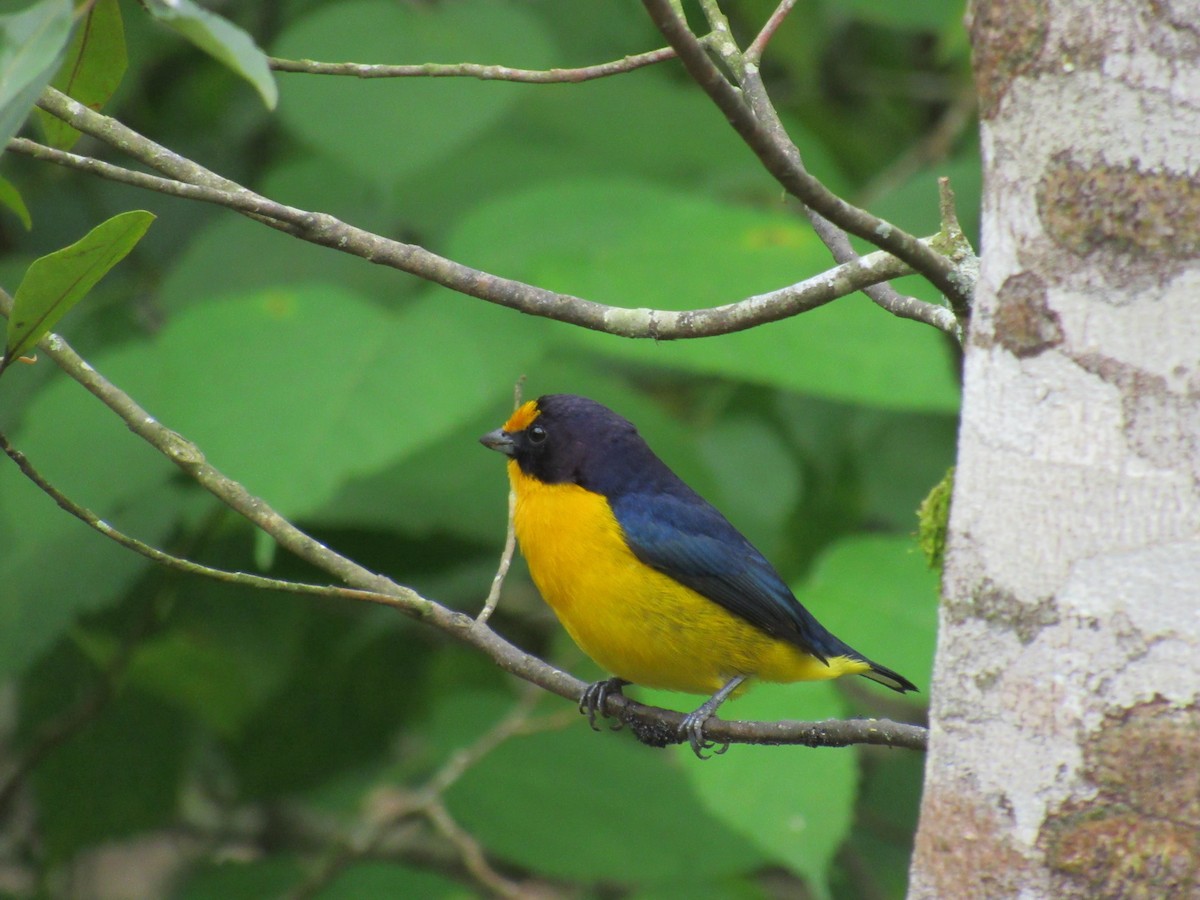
x=682, y=535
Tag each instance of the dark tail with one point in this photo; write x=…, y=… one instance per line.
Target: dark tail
x=888, y=678
x=823, y=644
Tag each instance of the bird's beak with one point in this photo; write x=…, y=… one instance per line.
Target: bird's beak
x=499, y=440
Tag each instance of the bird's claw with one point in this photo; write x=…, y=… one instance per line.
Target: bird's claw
x=692, y=728
x=595, y=695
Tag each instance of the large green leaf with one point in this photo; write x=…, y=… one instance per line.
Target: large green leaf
x=795, y=804
x=95, y=62
x=291, y=391
x=56, y=282
x=390, y=127
x=234, y=255
x=878, y=595
x=633, y=244
x=319, y=385
x=569, y=803
x=220, y=39
x=31, y=46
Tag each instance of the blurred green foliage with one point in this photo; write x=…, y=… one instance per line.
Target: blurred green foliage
x=350, y=397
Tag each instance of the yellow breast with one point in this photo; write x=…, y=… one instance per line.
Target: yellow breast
x=634, y=621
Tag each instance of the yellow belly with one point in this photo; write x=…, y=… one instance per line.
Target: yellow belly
x=638, y=623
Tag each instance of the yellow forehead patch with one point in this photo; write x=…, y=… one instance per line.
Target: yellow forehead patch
x=523, y=417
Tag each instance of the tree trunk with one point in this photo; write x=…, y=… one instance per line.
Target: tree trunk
x=1065, y=744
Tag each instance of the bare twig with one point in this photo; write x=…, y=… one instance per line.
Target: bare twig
x=754, y=52
x=510, y=536
x=746, y=72
x=475, y=70
x=470, y=851
x=186, y=566
x=653, y=725
x=780, y=158
x=187, y=179
x=392, y=807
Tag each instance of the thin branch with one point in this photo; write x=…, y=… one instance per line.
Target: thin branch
x=780, y=161
x=232, y=197
x=749, y=78
x=475, y=70
x=754, y=52
x=390, y=807
x=652, y=725
x=176, y=563
x=471, y=852
x=510, y=536
x=187, y=179
x=506, y=558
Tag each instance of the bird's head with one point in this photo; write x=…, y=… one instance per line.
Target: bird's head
x=561, y=438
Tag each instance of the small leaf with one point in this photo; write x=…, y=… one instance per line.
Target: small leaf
x=94, y=64
x=11, y=198
x=220, y=39
x=56, y=282
x=31, y=46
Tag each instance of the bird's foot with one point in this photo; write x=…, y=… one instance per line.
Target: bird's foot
x=591, y=702
x=692, y=726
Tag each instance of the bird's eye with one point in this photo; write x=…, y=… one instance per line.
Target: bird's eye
x=537, y=434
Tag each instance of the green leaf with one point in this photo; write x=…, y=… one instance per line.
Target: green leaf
x=877, y=594
x=11, y=198
x=293, y=392
x=390, y=127
x=31, y=46
x=220, y=39
x=92, y=70
x=56, y=282
x=324, y=385
x=568, y=803
x=633, y=244
x=795, y=804
x=233, y=255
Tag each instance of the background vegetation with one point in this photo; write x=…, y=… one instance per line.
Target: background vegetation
x=280, y=744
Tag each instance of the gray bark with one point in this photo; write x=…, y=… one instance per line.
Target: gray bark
x=1065, y=723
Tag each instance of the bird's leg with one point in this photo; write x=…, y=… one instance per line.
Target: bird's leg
x=693, y=723
x=594, y=696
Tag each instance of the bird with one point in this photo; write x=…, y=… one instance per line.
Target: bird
x=650, y=580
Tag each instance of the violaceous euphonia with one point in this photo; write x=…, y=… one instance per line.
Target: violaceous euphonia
x=648, y=578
